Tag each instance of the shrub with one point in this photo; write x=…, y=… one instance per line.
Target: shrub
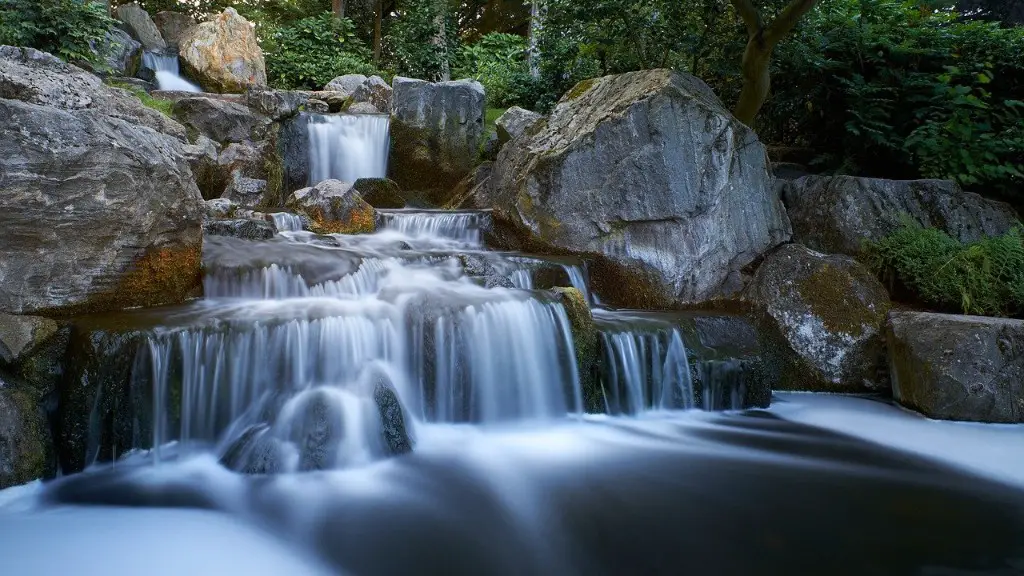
x=984, y=277
x=309, y=53
x=413, y=46
x=498, y=61
x=65, y=28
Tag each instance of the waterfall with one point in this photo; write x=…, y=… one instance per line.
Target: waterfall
x=348, y=147
x=167, y=70
x=287, y=222
x=462, y=226
x=645, y=370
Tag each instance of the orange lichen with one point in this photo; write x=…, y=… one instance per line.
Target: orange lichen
x=361, y=220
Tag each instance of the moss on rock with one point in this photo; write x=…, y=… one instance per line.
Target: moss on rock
x=585, y=342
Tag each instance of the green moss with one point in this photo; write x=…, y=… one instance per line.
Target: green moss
x=584, y=336
x=490, y=118
x=831, y=294
x=578, y=90
x=165, y=107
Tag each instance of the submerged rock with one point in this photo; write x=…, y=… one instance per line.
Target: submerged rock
x=245, y=229
x=650, y=173
x=821, y=319
x=958, y=367
x=584, y=336
x=837, y=213
x=138, y=23
x=392, y=417
x=380, y=192
x=436, y=132
x=25, y=444
x=222, y=54
x=318, y=431
x=334, y=207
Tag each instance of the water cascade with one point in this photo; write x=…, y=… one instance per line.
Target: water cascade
x=348, y=147
x=287, y=222
x=167, y=69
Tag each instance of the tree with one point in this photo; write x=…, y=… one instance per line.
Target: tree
x=338, y=7
x=761, y=40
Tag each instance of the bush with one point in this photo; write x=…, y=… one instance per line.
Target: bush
x=498, y=61
x=309, y=53
x=984, y=277
x=413, y=46
x=65, y=28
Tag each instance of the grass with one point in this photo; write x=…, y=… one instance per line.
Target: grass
x=160, y=105
x=490, y=117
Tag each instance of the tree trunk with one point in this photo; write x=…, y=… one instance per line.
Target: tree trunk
x=756, y=81
x=538, y=10
x=441, y=39
x=338, y=7
x=377, y=22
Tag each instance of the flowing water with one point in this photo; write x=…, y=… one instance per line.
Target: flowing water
x=167, y=70
x=348, y=147
x=410, y=402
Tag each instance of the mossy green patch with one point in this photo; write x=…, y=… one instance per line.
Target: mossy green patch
x=165, y=107
x=832, y=296
x=584, y=336
x=578, y=90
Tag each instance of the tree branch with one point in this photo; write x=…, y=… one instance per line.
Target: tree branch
x=787, y=20
x=750, y=15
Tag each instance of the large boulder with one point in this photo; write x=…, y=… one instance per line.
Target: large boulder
x=99, y=210
x=436, y=132
x=822, y=321
x=25, y=444
x=276, y=104
x=346, y=84
x=333, y=207
x=374, y=91
x=958, y=367
x=119, y=53
x=137, y=22
x=222, y=54
x=514, y=123
x=219, y=120
x=380, y=192
x=173, y=26
x=837, y=213
x=650, y=174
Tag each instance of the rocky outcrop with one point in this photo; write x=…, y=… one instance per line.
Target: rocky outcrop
x=346, y=84
x=436, y=132
x=653, y=177
x=119, y=54
x=837, y=213
x=380, y=192
x=137, y=22
x=21, y=335
x=220, y=121
x=243, y=228
x=276, y=104
x=25, y=443
x=958, y=367
x=821, y=319
x=99, y=209
x=514, y=123
x=173, y=26
x=222, y=54
x=374, y=91
x=333, y=207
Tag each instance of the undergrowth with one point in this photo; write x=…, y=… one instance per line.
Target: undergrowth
x=158, y=104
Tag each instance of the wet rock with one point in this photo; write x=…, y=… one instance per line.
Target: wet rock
x=333, y=207
x=173, y=26
x=137, y=22
x=436, y=132
x=650, y=172
x=25, y=444
x=119, y=52
x=246, y=192
x=222, y=54
x=245, y=229
x=22, y=335
x=362, y=108
x=318, y=432
x=293, y=147
x=380, y=192
x=392, y=417
x=514, y=123
x=374, y=91
x=822, y=321
x=468, y=194
x=837, y=213
x=219, y=120
x=64, y=136
x=346, y=84
x=958, y=367
x=584, y=336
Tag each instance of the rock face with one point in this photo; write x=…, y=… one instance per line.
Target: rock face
x=222, y=54
x=374, y=91
x=436, y=132
x=958, y=367
x=20, y=335
x=649, y=173
x=25, y=444
x=837, y=213
x=514, y=123
x=346, y=84
x=334, y=207
x=137, y=22
x=173, y=26
x=99, y=210
x=392, y=417
x=220, y=121
x=120, y=53
x=821, y=319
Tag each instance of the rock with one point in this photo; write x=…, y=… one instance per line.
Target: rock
x=514, y=123
x=220, y=121
x=466, y=194
x=293, y=146
x=39, y=78
x=25, y=444
x=119, y=52
x=346, y=84
x=789, y=170
x=315, y=106
x=276, y=104
x=958, y=367
x=374, y=91
x=821, y=319
x=362, y=108
x=837, y=213
x=380, y=192
x=202, y=160
x=335, y=101
x=492, y=145
x=241, y=228
x=584, y=336
x=221, y=208
x=21, y=335
x=137, y=22
x=436, y=132
x=173, y=26
x=317, y=431
x=246, y=192
x=648, y=173
x=99, y=210
x=133, y=82
x=222, y=54
x=333, y=207
x=392, y=417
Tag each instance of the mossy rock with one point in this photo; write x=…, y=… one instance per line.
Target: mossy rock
x=585, y=341
x=26, y=448
x=380, y=192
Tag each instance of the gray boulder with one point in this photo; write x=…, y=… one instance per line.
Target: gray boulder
x=21, y=335
x=246, y=192
x=374, y=91
x=172, y=27
x=958, y=367
x=219, y=120
x=346, y=84
x=276, y=104
x=822, y=321
x=392, y=417
x=362, y=108
x=837, y=213
x=25, y=444
x=119, y=52
x=202, y=160
x=436, y=132
x=243, y=228
x=649, y=173
x=99, y=209
x=137, y=22
x=333, y=207
x=514, y=123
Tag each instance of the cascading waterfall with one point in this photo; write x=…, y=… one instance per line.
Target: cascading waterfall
x=287, y=222
x=645, y=370
x=465, y=226
x=348, y=147
x=167, y=69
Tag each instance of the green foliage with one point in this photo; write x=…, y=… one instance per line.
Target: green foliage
x=498, y=61
x=66, y=28
x=422, y=40
x=309, y=53
x=984, y=277
x=165, y=107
